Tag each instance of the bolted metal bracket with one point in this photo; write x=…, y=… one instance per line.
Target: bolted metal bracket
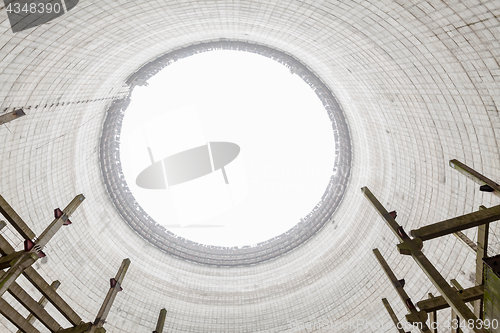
x=28, y=245
x=419, y=317
x=486, y=188
x=407, y=246
x=115, y=284
x=58, y=213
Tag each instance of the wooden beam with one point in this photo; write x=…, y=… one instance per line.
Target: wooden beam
x=18, y=265
x=42, y=302
x=389, y=220
x=10, y=116
x=5, y=247
x=466, y=240
x=33, y=307
x=7, y=260
x=15, y=220
x=392, y=277
x=82, y=328
x=475, y=176
x=391, y=314
x=459, y=223
x=51, y=230
x=415, y=317
x=52, y=296
x=32, y=275
x=15, y=318
x=110, y=297
x=439, y=303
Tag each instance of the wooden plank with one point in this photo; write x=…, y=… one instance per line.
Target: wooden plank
x=6, y=260
x=26, y=259
x=415, y=316
x=389, y=220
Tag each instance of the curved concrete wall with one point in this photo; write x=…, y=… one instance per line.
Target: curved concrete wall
x=418, y=82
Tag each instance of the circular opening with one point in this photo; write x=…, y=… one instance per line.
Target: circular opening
x=227, y=148
x=170, y=242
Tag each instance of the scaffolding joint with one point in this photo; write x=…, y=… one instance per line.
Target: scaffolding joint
x=409, y=246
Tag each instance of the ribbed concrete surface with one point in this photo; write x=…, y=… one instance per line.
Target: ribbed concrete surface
x=418, y=81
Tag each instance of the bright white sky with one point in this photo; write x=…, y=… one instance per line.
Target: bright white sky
x=285, y=136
